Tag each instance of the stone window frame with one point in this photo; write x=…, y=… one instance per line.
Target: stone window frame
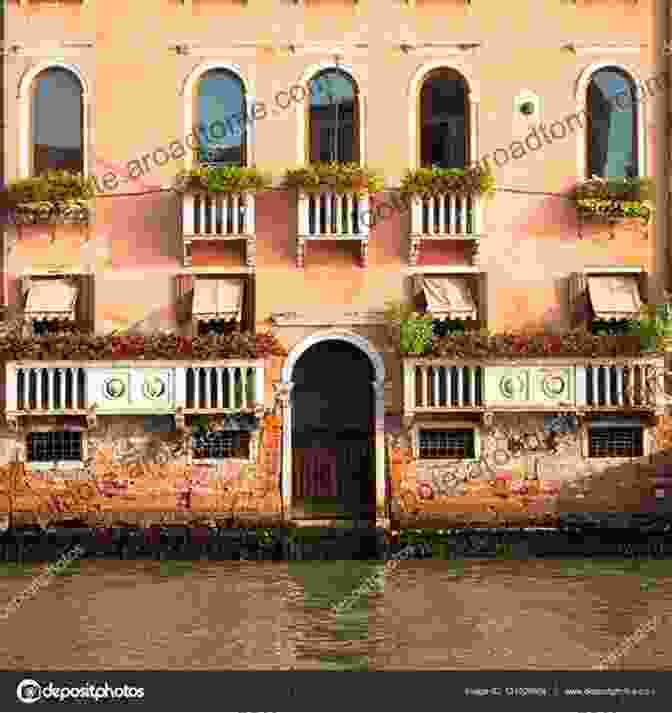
x=446, y=426
x=648, y=438
x=643, y=112
x=251, y=457
x=64, y=465
x=25, y=101
x=188, y=90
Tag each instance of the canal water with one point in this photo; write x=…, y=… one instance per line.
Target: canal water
x=339, y=615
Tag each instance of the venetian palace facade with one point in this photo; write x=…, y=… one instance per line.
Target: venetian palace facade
x=114, y=90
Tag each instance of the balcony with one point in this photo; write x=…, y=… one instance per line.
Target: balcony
x=332, y=216
x=62, y=388
x=445, y=216
x=219, y=217
x=553, y=384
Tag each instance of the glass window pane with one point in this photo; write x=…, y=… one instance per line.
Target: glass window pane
x=333, y=119
x=612, y=125
x=221, y=111
x=57, y=115
x=443, y=118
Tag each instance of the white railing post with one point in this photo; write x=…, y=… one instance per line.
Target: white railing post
x=472, y=385
x=180, y=387
x=249, y=213
x=363, y=207
x=409, y=388
x=11, y=386
x=477, y=214
x=259, y=399
x=416, y=216
x=304, y=208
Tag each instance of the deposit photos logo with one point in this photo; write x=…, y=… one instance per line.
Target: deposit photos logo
x=30, y=691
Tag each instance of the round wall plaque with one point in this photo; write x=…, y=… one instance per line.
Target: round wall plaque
x=153, y=388
x=114, y=388
x=553, y=385
x=512, y=386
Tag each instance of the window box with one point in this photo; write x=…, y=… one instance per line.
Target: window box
x=334, y=177
x=54, y=197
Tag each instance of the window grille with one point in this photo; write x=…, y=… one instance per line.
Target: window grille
x=55, y=446
x=221, y=444
x=456, y=444
x=616, y=442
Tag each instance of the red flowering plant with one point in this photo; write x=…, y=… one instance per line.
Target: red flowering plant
x=480, y=345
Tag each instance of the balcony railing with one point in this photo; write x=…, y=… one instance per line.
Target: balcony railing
x=140, y=387
x=332, y=216
x=445, y=216
x=208, y=216
x=439, y=385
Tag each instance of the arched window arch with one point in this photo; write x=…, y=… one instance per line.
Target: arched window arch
x=56, y=121
x=334, y=117
x=221, y=115
x=444, y=119
x=612, y=126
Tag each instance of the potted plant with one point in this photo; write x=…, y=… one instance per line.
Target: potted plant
x=228, y=179
x=334, y=176
x=615, y=199
x=410, y=332
x=653, y=328
x=51, y=197
x=425, y=182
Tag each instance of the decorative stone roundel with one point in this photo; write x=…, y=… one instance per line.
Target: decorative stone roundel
x=553, y=385
x=153, y=388
x=512, y=387
x=114, y=388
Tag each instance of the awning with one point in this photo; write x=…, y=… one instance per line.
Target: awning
x=614, y=296
x=448, y=297
x=50, y=299
x=218, y=299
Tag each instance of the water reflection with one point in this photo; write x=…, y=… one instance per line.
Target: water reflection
x=425, y=614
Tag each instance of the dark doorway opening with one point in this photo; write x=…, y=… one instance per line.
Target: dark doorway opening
x=333, y=466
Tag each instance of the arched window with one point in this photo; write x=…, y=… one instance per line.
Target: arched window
x=612, y=125
x=57, y=122
x=444, y=119
x=221, y=117
x=334, y=117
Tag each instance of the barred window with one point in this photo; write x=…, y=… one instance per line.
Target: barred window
x=55, y=446
x=221, y=444
x=616, y=442
x=456, y=444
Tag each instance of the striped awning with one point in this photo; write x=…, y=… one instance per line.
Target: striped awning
x=448, y=297
x=49, y=299
x=614, y=296
x=218, y=299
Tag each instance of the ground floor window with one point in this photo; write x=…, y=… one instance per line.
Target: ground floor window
x=221, y=444
x=616, y=442
x=454, y=444
x=54, y=446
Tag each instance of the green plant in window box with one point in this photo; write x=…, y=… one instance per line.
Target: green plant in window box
x=334, y=176
x=426, y=182
x=615, y=199
x=51, y=197
x=227, y=179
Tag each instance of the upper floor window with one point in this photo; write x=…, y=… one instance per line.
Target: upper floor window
x=612, y=125
x=221, y=118
x=334, y=117
x=444, y=117
x=57, y=122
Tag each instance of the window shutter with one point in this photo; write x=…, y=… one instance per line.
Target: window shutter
x=184, y=285
x=644, y=287
x=86, y=305
x=249, y=304
x=23, y=284
x=482, y=299
x=578, y=299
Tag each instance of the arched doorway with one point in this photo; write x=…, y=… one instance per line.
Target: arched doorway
x=331, y=381
x=332, y=427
